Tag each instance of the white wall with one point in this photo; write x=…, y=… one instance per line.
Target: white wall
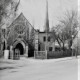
x=47, y=43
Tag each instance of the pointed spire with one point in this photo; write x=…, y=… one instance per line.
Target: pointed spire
x=47, y=19
x=17, y=5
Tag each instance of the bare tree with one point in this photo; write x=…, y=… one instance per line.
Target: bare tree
x=70, y=23
x=8, y=10
x=66, y=30
x=32, y=36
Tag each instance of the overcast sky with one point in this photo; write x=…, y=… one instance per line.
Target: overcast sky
x=35, y=11
x=79, y=5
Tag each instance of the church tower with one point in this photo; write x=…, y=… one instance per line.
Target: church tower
x=46, y=26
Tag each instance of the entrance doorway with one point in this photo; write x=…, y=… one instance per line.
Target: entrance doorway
x=19, y=46
x=30, y=51
x=4, y=46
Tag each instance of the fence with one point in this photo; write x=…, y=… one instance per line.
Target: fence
x=40, y=54
x=53, y=54
x=59, y=54
x=16, y=55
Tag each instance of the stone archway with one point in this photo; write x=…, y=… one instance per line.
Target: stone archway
x=21, y=46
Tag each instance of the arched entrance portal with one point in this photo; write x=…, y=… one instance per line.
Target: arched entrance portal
x=20, y=47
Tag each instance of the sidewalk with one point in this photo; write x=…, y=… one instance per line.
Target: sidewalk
x=37, y=69
x=10, y=64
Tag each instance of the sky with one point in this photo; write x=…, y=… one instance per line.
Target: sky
x=79, y=6
x=35, y=11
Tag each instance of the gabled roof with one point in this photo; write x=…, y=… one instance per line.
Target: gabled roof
x=21, y=17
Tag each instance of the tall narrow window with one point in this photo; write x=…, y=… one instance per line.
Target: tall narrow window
x=44, y=38
x=39, y=47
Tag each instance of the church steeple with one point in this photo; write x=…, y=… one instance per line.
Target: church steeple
x=47, y=19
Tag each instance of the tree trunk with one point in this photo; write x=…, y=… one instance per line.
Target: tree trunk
x=63, y=46
x=70, y=44
x=59, y=43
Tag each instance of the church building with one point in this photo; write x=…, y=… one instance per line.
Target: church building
x=19, y=35
x=22, y=35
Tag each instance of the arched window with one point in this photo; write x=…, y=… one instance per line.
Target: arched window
x=44, y=38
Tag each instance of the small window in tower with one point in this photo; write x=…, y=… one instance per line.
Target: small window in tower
x=39, y=47
x=44, y=38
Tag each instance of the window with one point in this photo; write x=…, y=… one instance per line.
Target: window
x=50, y=48
x=19, y=29
x=44, y=38
x=49, y=38
x=3, y=32
x=39, y=47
